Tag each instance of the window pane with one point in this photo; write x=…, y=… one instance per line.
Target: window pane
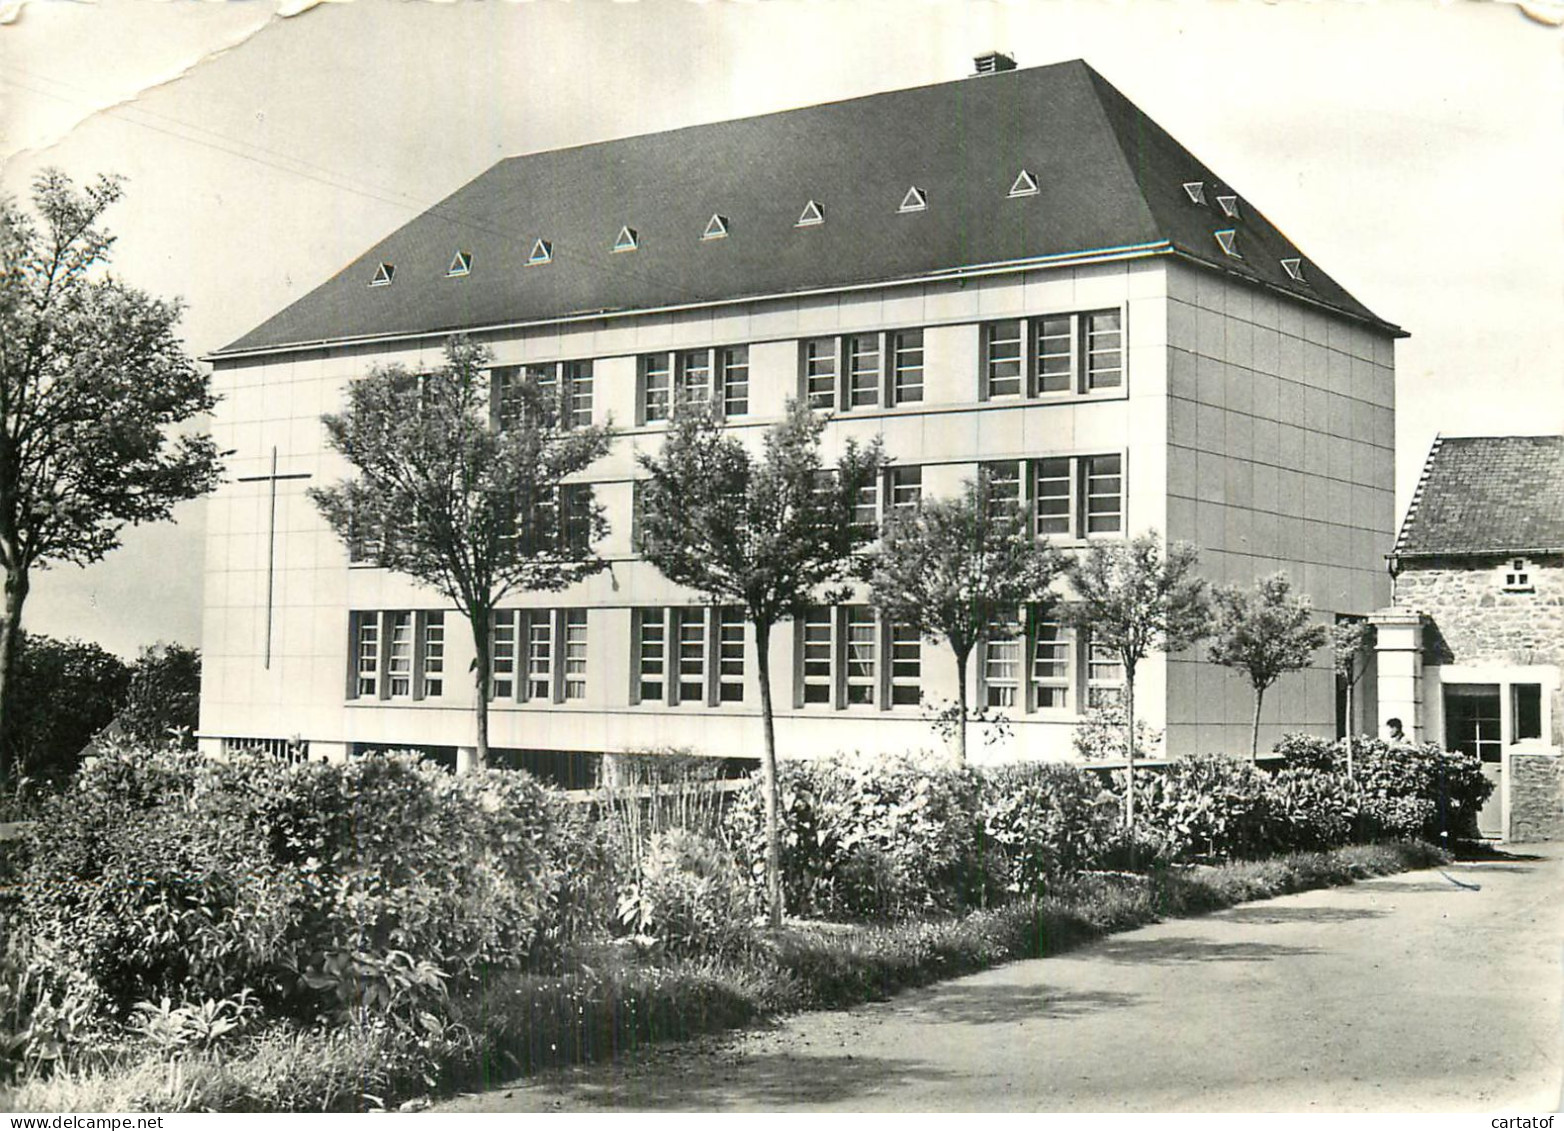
x=650, y=656
x=1104, y=494
x=1053, y=496
x=540, y=656
x=655, y=386
x=1055, y=354
x=735, y=381
x=1104, y=350
x=906, y=665
x=866, y=506
x=861, y=631
x=1003, y=373
x=1004, y=487
x=399, y=656
x=692, y=655
x=906, y=486
x=367, y=648
x=1051, y=666
x=576, y=517
x=578, y=396
x=820, y=372
x=434, y=654
x=575, y=653
x=907, y=365
x=502, y=654
x=1002, y=663
x=863, y=370
x=1527, y=711
x=695, y=377
x=731, y=655
x=817, y=656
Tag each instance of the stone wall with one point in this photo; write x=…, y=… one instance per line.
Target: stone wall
x=1536, y=797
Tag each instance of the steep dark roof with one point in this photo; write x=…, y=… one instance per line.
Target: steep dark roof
x=1487, y=495
x=1108, y=177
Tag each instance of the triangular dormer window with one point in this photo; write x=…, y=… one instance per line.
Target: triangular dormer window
x=1229, y=206
x=542, y=252
x=1294, y=269
x=626, y=240
x=914, y=201
x=716, y=228
x=1228, y=241
x=1024, y=185
x=461, y=264
x=1196, y=191
x=383, y=275
x=811, y=215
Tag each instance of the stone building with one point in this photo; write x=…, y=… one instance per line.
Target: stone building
x=1017, y=275
x=1472, y=653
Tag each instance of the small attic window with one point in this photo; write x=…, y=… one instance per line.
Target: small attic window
x=1294, y=269
x=1517, y=576
x=915, y=200
x=461, y=264
x=812, y=215
x=1196, y=191
x=626, y=240
x=1229, y=206
x=1228, y=240
x=1024, y=185
x=716, y=228
x=542, y=252
x=383, y=275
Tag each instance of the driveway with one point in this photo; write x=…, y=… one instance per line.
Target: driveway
x=1428, y=991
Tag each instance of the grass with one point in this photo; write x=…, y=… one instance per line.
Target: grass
x=519, y=1023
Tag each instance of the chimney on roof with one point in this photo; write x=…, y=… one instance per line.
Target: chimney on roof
x=993, y=62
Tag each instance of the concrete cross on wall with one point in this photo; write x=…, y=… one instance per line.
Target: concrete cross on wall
x=271, y=538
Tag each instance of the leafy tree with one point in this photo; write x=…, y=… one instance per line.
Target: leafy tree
x=93, y=382
x=1264, y=632
x=466, y=497
x=65, y=691
x=958, y=570
x=767, y=533
x=1352, y=642
x=163, y=699
x=1133, y=598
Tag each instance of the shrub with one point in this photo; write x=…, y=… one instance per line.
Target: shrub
x=60, y=693
x=1309, y=752
x=691, y=896
x=1210, y=808
x=163, y=696
x=1044, y=822
x=1100, y=735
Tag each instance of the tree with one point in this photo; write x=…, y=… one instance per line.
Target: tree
x=1351, y=642
x=959, y=570
x=1133, y=598
x=163, y=699
x=93, y=382
x=466, y=496
x=1264, y=632
x=65, y=691
x=768, y=534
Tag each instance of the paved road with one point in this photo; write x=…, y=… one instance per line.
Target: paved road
x=1428, y=991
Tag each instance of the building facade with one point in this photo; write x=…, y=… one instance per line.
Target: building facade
x=1018, y=275
x=1472, y=653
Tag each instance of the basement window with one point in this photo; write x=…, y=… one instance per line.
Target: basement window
x=626, y=240
x=716, y=228
x=461, y=264
x=812, y=215
x=915, y=200
x=1196, y=191
x=1228, y=241
x=1024, y=185
x=1517, y=576
x=1294, y=269
x=542, y=252
x=383, y=275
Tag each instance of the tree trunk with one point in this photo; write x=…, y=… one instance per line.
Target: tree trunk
x=768, y=778
x=479, y=621
x=961, y=706
x=16, y=584
x=1129, y=753
x=1254, y=729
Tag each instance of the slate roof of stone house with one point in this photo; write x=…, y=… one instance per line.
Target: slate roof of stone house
x=1108, y=180
x=1485, y=495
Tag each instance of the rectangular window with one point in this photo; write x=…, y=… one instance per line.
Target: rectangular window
x=577, y=411
x=656, y=387
x=1051, y=663
x=906, y=666
x=1104, y=480
x=866, y=510
x=690, y=638
x=502, y=654
x=366, y=651
x=651, y=655
x=575, y=653
x=1104, y=349
x=1055, y=357
x=1055, y=496
x=694, y=372
x=906, y=366
x=734, y=361
x=904, y=487
x=730, y=658
x=575, y=516
x=1525, y=711
x=817, y=643
x=1104, y=676
x=399, y=657
x=431, y=648
x=539, y=684
x=1067, y=496
x=1002, y=359
x=819, y=361
x=863, y=370
x=860, y=654
x=1002, y=664
x=1003, y=480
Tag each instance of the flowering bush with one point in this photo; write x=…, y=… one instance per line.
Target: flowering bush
x=1043, y=822
x=691, y=897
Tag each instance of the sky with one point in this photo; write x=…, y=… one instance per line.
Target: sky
x=1413, y=149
